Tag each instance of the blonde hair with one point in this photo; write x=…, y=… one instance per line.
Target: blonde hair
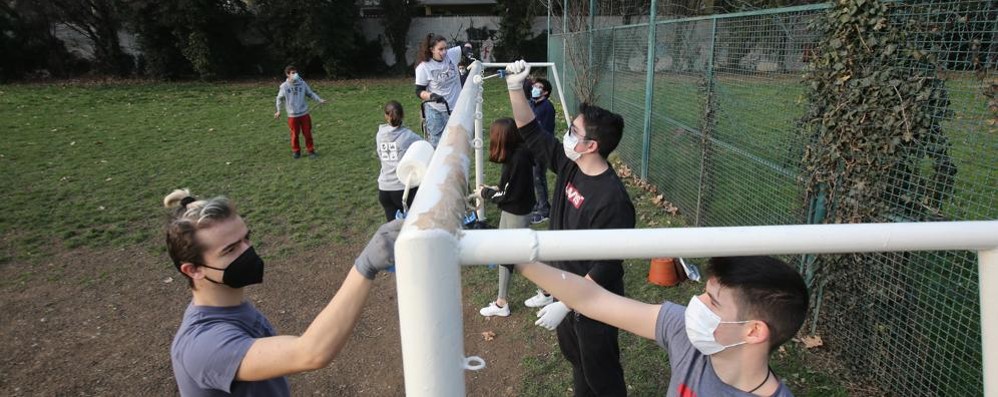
x=189, y=215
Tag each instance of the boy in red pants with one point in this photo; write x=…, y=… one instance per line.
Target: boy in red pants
x=294, y=90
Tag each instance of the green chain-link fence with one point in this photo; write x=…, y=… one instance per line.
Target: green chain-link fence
x=723, y=146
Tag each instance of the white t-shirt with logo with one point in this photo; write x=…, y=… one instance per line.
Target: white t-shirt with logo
x=442, y=77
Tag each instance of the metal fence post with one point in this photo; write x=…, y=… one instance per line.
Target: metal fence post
x=649, y=90
x=592, y=25
x=708, y=124
x=549, y=19
x=564, y=40
x=613, y=62
x=987, y=268
x=564, y=17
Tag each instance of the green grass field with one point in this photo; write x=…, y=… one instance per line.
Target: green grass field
x=86, y=167
x=756, y=121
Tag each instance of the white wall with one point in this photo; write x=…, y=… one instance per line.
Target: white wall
x=451, y=27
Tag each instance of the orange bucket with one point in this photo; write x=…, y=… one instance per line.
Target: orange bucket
x=664, y=272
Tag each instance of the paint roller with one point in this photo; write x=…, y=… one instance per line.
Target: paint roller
x=412, y=167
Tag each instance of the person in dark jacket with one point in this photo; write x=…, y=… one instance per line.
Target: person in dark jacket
x=540, y=92
x=514, y=195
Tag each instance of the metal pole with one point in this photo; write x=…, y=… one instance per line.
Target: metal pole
x=592, y=25
x=427, y=272
x=613, y=63
x=479, y=145
x=564, y=42
x=430, y=322
x=987, y=268
x=649, y=90
x=557, y=83
x=705, y=140
x=527, y=245
x=561, y=97
x=549, y=19
x=564, y=19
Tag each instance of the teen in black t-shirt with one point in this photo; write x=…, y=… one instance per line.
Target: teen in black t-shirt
x=587, y=195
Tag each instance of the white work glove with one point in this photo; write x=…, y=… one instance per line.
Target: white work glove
x=516, y=72
x=551, y=315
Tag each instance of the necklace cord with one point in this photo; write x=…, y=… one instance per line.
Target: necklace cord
x=768, y=373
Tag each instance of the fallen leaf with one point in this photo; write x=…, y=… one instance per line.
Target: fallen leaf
x=811, y=342
x=488, y=335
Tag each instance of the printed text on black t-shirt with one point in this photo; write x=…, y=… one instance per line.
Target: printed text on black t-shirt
x=573, y=195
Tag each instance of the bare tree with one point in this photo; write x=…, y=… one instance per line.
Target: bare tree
x=98, y=21
x=397, y=19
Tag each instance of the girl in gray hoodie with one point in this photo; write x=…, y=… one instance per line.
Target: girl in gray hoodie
x=391, y=143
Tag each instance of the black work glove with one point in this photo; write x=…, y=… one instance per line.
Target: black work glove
x=488, y=193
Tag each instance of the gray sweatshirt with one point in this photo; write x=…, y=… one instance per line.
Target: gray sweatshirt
x=392, y=142
x=294, y=93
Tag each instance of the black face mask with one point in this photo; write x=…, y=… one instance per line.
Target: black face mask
x=247, y=269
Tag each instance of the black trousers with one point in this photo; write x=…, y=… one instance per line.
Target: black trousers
x=591, y=347
x=391, y=201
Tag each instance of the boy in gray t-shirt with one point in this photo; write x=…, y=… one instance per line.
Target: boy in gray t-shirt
x=210, y=346
x=720, y=344
x=225, y=346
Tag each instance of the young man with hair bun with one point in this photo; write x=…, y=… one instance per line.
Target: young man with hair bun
x=224, y=345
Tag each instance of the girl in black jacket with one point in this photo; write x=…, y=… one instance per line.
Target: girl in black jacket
x=514, y=195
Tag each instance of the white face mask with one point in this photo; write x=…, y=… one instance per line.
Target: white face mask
x=294, y=76
x=535, y=92
x=569, y=141
x=700, y=326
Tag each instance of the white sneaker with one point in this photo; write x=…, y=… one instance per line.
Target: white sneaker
x=539, y=300
x=494, y=310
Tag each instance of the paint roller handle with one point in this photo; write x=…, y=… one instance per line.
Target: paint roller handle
x=516, y=74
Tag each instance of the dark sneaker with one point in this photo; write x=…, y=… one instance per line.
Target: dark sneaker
x=295, y=155
x=538, y=218
x=312, y=155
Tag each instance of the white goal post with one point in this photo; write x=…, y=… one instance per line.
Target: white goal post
x=432, y=246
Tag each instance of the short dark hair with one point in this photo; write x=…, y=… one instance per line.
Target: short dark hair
x=766, y=289
x=503, y=140
x=395, y=113
x=289, y=69
x=544, y=82
x=602, y=126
